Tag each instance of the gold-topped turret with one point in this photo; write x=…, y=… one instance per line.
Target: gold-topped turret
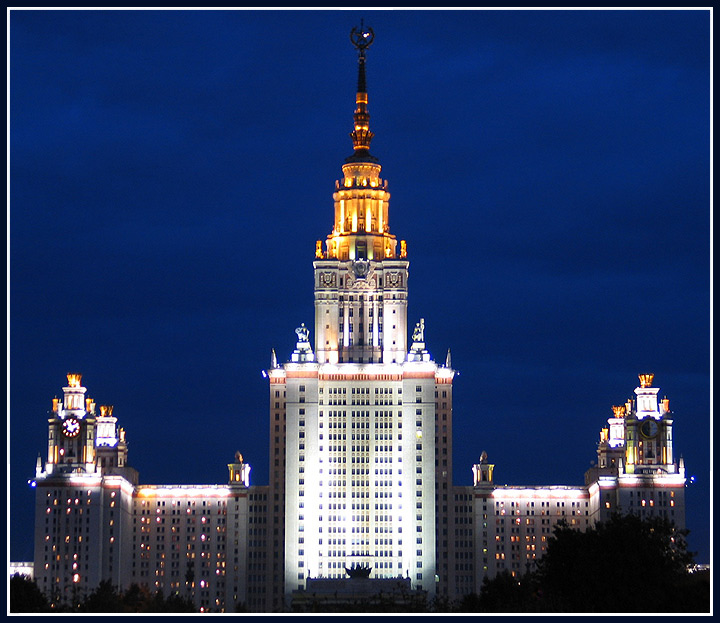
x=619, y=411
x=74, y=393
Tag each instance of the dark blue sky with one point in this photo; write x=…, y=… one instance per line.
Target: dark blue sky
x=171, y=171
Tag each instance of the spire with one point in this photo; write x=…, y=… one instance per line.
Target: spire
x=361, y=40
x=361, y=135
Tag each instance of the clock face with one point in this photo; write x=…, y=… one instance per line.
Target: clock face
x=71, y=427
x=649, y=429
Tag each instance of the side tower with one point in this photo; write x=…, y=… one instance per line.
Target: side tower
x=84, y=493
x=361, y=424
x=637, y=471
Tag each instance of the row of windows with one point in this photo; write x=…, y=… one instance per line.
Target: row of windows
x=560, y=504
x=360, y=390
x=343, y=415
x=191, y=503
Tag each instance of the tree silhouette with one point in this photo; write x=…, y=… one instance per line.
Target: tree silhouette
x=105, y=598
x=625, y=564
x=504, y=593
x=25, y=596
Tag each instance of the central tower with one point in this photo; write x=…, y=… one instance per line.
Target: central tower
x=361, y=425
x=361, y=276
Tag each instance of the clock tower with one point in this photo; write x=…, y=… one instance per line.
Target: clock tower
x=83, y=498
x=637, y=471
x=649, y=430
x=71, y=434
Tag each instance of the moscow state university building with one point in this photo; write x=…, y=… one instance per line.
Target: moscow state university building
x=360, y=456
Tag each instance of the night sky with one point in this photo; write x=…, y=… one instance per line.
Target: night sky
x=170, y=172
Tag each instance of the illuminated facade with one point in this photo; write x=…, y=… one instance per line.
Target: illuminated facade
x=84, y=497
x=94, y=522
x=360, y=433
x=236, y=544
x=357, y=459
x=636, y=472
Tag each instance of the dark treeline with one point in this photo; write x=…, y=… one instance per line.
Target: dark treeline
x=623, y=565
x=25, y=596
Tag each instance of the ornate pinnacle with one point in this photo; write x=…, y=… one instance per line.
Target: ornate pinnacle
x=361, y=135
x=74, y=379
x=646, y=380
x=362, y=38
